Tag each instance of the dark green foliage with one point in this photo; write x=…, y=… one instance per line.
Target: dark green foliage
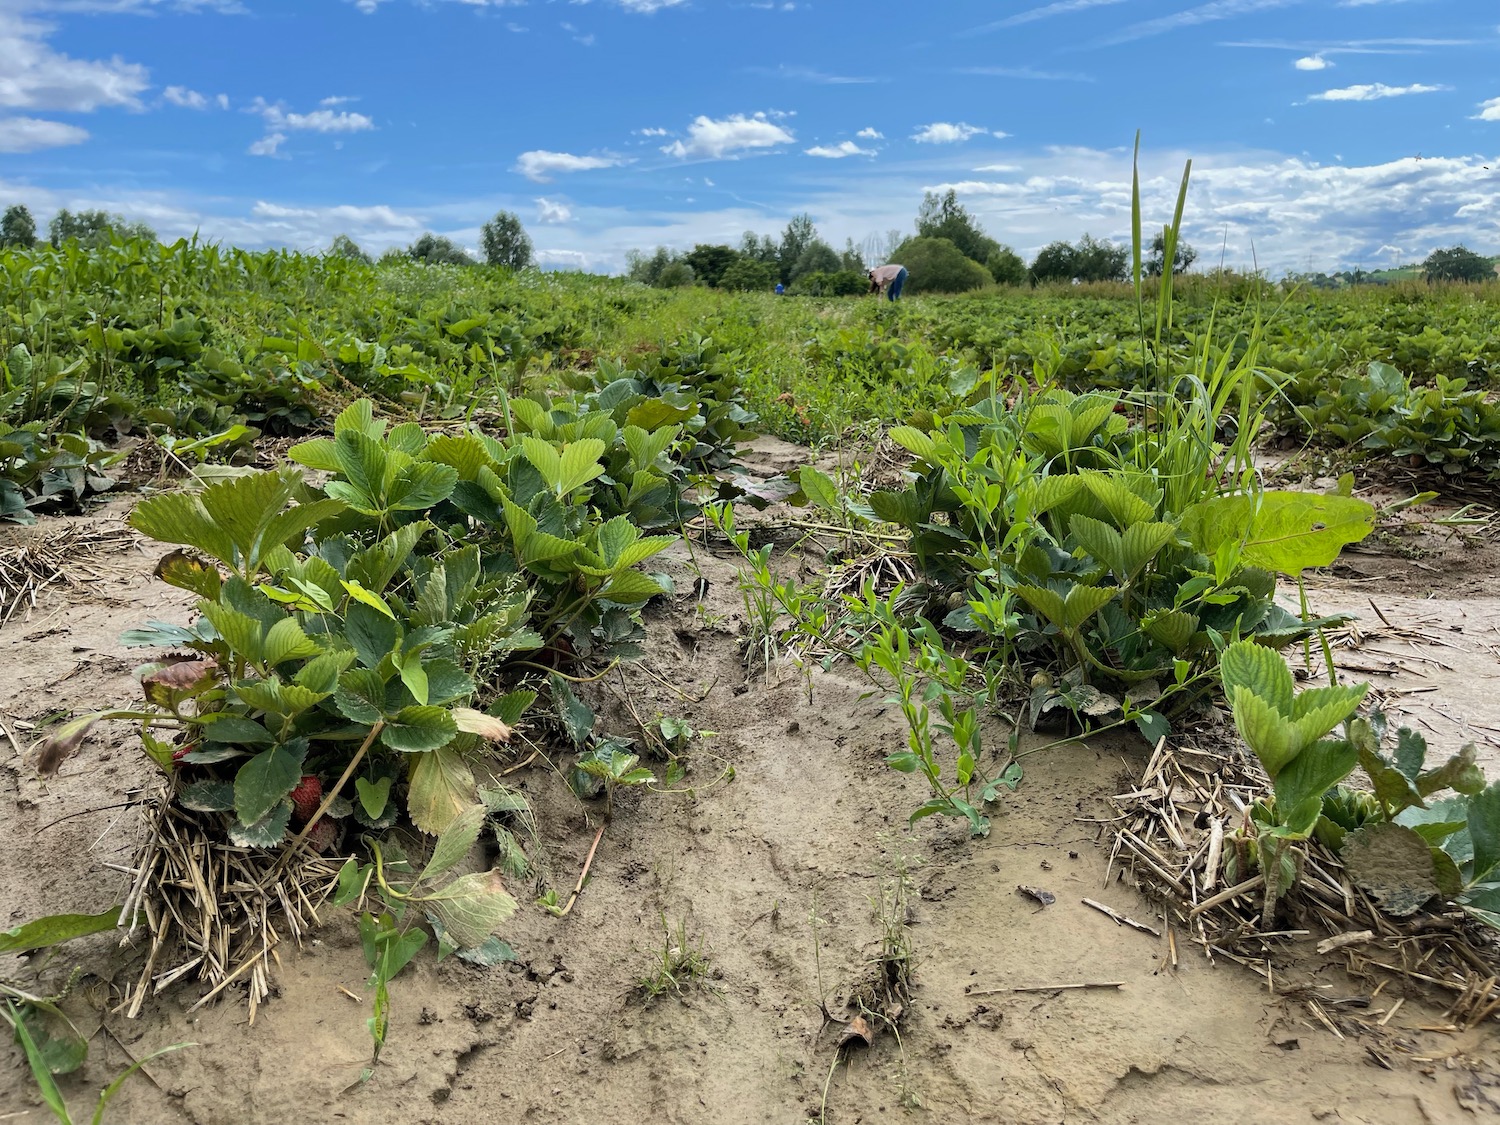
x=435, y=250
x=818, y=257
x=345, y=247
x=936, y=265
x=945, y=217
x=709, y=263
x=1183, y=256
x=1088, y=260
x=1457, y=263
x=796, y=238
x=750, y=275
x=91, y=227
x=1006, y=267
x=17, y=228
x=840, y=283
x=505, y=242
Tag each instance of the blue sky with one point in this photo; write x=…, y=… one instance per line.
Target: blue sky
x=1324, y=132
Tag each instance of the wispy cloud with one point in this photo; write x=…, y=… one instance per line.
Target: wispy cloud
x=717, y=138
x=540, y=165
x=1191, y=17
x=182, y=96
x=1026, y=72
x=1372, y=91
x=269, y=145
x=553, y=211
x=1407, y=45
x=814, y=76
x=1045, y=12
x=948, y=133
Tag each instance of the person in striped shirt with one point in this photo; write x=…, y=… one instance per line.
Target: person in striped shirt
x=888, y=278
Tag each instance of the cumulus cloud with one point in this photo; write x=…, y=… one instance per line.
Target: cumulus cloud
x=553, y=211
x=1312, y=62
x=182, y=96
x=324, y=120
x=718, y=138
x=28, y=134
x=870, y=134
x=839, y=151
x=947, y=133
x=1373, y=91
x=540, y=165
x=34, y=76
x=1488, y=111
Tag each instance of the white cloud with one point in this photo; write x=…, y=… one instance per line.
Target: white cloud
x=946, y=133
x=318, y=121
x=378, y=217
x=717, y=138
x=1191, y=17
x=221, y=100
x=540, y=165
x=27, y=134
x=182, y=96
x=336, y=99
x=553, y=211
x=651, y=132
x=839, y=151
x=870, y=134
x=269, y=145
x=1488, y=111
x=646, y=7
x=1373, y=91
x=1312, y=62
x=998, y=168
x=34, y=76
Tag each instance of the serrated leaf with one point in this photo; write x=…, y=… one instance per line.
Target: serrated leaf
x=473, y=907
x=1393, y=864
x=577, y=717
x=1260, y=671
x=1484, y=832
x=264, y=833
x=221, y=727
x=266, y=779
x=440, y=788
x=454, y=842
x=414, y=730
x=207, y=796
x=356, y=591
x=286, y=641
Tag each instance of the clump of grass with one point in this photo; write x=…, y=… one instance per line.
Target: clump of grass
x=680, y=966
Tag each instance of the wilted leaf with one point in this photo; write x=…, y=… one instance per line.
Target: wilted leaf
x=1393, y=865
x=471, y=721
x=472, y=907
x=61, y=744
x=441, y=789
x=857, y=1033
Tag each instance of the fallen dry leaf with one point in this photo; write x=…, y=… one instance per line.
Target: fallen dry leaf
x=856, y=1032
x=1046, y=898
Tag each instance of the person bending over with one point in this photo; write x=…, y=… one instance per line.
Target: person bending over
x=889, y=278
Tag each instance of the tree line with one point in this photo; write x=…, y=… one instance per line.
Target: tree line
x=18, y=227
x=949, y=253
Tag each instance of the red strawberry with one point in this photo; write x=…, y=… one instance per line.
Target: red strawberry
x=321, y=835
x=182, y=752
x=306, y=798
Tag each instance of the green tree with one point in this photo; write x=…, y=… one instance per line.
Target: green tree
x=1183, y=256
x=943, y=216
x=852, y=260
x=17, y=228
x=345, y=247
x=1457, y=263
x=1006, y=267
x=760, y=248
x=936, y=265
x=840, y=283
x=435, y=250
x=817, y=257
x=676, y=275
x=710, y=262
x=797, y=237
x=647, y=269
x=92, y=227
x=750, y=275
x=505, y=242
x=1057, y=261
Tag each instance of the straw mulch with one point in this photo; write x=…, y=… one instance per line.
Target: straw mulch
x=214, y=912
x=68, y=556
x=1171, y=832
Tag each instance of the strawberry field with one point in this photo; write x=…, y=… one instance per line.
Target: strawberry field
x=443, y=694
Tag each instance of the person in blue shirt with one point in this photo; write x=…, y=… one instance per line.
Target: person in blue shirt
x=780, y=289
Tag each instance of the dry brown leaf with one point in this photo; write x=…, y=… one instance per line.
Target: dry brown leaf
x=856, y=1032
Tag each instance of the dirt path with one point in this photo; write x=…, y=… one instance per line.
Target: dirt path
x=813, y=824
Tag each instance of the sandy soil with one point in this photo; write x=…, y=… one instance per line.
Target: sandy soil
x=813, y=825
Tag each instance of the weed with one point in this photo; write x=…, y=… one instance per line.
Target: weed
x=681, y=966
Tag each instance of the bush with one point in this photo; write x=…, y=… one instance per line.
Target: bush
x=938, y=266
x=749, y=275
x=1006, y=267
x=838, y=283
